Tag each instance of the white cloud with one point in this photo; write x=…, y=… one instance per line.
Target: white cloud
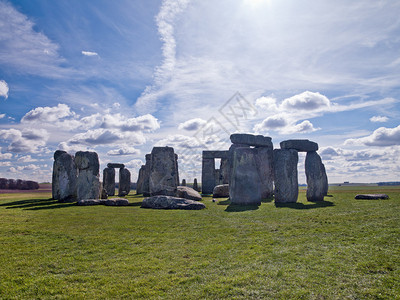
x=134, y=164
x=26, y=158
x=381, y=119
x=192, y=124
x=48, y=114
x=4, y=156
x=3, y=89
x=102, y=136
x=142, y=123
x=307, y=101
x=27, y=140
x=89, y=53
x=12, y=170
x=125, y=150
x=2, y=116
x=381, y=137
x=268, y=104
x=303, y=127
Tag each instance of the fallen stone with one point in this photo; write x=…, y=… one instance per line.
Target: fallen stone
x=221, y=191
x=371, y=196
x=115, y=165
x=251, y=140
x=169, y=202
x=187, y=193
x=116, y=202
x=90, y=202
x=299, y=145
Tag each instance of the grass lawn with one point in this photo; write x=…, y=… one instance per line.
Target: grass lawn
x=339, y=249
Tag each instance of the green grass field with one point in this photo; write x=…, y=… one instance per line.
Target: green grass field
x=340, y=249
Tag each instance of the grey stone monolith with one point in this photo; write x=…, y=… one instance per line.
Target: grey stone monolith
x=109, y=181
x=195, y=185
x=140, y=181
x=285, y=175
x=245, y=184
x=163, y=172
x=183, y=182
x=325, y=181
x=251, y=140
x=124, y=182
x=316, y=177
x=224, y=171
x=146, y=180
x=230, y=157
x=177, y=172
x=264, y=162
x=208, y=175
x=64, y=181
x=88, y=182
x=299, y=145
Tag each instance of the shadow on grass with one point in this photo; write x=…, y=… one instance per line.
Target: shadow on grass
x=305, y=206
x=36, y=204
x=135, y=203
x=240, y=208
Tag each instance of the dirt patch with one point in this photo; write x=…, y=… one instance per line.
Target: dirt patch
x=43, y=188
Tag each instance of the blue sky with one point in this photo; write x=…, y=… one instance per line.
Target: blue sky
x=119, y=77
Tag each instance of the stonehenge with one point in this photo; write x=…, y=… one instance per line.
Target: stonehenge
x=77, y=178
x=256, y=171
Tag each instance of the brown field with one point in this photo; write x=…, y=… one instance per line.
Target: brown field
x=43, y=188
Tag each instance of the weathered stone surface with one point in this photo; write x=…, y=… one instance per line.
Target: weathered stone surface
x=90, y=202
x=224, y=171
x=230, y=157
x=325, y=181
x=264, y=161
x=64, y=178
x=183, y=182
x=221, y=191
x=176, y=170
x=140, y=181
x=163, y=172
x=146, y=180
x=115, y=165
x=88, y=182
x=187, y=193
x=57, y=153
x=285, y=175
x=169, y=202
x=195, y=185
x=245, y=184
x=372, y=196
x=215, y=154
x=116, y=202
x=299, y=145
x=124, y=182
x=251, y=140
x=315, y=174
x=208, y=175
x=109, y=181
x=104, y=194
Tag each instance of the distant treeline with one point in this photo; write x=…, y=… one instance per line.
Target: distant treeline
x=389, y=183
x=12, y=184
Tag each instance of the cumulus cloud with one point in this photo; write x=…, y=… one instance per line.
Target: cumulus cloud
x=380, y=119
x=26, y=158
x=306, y=101
x=134, y=164
x=27, y=140
x=303, y=127
x=146, y=122
x=89, y=53
x=192, y=124
x=2, y=116
x=3, y=89
x=105, y=137
x=4, y=156
x=47, y=114
x=274, y=122
x=124, y=151
x=268, y=104
x=381, y=137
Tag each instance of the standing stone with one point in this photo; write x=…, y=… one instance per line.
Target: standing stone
x=285, y=175
x=224, y=171
x=325, y=181
x=245, y=185
x=230, y=157
x=183, y=182
x=88, y=182
x=218, y=178
x=64, y=181
x=176, y=168
x=140, y=181
x=316, y=177
x=109, y=181
x=124, y=182
x=163, y=172
x=264, y=162
x=208, y=175
x=195, y=185
x=146, y=180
